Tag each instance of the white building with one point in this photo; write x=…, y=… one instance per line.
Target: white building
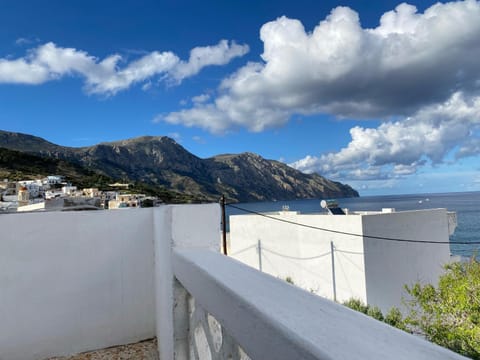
x=126, y=201
x=373, y=270
x=34, y=187
x=69, y=189
x=53, y=180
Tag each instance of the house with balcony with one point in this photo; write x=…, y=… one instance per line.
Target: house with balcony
x=71, y=282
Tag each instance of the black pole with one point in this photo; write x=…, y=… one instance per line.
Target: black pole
x=224, y=224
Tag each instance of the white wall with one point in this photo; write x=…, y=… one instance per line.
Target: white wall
x=390, y=265
x=75, y=281
x=374, y=271
x=301, y=253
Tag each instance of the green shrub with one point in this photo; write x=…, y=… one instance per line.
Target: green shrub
x=376, y=313
x=449, y=314
x=357, y=305
x=393, y=317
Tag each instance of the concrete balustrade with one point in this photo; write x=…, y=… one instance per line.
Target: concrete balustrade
x=271, y=319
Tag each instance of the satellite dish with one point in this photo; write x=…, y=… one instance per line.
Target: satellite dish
x=323, y=204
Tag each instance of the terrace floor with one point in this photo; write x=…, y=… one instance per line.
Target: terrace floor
x=144, y=350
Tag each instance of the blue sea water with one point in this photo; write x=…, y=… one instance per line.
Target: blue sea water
x=466, y=205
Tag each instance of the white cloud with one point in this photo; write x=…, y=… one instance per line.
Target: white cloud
x=26, y=41
x=399, y=148
x=409, y=61
x=201, y=98
x=49, y=61
x=470, y=147
x=220, y=54
x=21, y=71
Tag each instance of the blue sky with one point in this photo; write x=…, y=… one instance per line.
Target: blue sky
x=383, y=96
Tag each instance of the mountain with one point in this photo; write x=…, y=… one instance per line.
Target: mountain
x=160, y=161
x=16, y=165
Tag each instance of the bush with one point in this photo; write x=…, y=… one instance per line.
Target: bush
x=376, y=313
x=394, y=318
x=449, y=315
x=357, y=305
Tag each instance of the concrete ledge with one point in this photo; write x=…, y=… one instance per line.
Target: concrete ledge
x=272, y=319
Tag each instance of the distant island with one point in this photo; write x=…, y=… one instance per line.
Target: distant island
x=158, y=165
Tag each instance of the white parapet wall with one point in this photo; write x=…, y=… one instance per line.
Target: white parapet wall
x=302, y=254
x=372, y=270
x=78, y=281
x=74, y=281
x=390, y=265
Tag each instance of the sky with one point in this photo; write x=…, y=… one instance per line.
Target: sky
x=381, y=95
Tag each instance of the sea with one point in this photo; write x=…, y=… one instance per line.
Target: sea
x=465, y=204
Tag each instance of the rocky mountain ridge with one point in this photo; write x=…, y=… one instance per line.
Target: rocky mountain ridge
x=159, y=160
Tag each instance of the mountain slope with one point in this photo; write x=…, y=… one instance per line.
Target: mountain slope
x=159, y=160
x=256, y=178
x=16, y=165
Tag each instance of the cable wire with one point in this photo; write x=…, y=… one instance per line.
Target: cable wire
x=353, y=234
x=294, y=257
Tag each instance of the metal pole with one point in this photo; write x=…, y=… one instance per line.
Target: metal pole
x=334, y=285
x=224, y=225
x=259, y=250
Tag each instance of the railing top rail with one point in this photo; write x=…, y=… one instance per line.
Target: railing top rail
x=272, y=319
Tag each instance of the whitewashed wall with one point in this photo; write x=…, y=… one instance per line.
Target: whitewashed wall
x=374, y=271
x=75, y=281
x=390, y=265
x=303, y=254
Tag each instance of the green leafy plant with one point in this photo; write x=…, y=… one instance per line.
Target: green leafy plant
x=394, y=318
x=449, y=314
x=357, y=305
x=376, y=313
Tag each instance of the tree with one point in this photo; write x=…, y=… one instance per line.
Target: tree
x=449, y=314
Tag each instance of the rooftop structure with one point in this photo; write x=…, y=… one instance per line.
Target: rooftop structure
x=77, y=281
x=342, y=255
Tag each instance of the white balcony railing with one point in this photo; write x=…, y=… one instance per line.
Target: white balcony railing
x=268, y=318
x=72, y=282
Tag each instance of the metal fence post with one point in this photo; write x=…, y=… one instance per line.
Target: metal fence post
x=259, y=251
x=334, y=285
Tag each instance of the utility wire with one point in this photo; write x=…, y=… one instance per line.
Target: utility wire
x=353, y=234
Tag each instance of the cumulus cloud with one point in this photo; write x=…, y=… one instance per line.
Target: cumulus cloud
x=398, y=148
x=220, y=54
x=416, y=72
x=409, y=61
x=107, y=76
